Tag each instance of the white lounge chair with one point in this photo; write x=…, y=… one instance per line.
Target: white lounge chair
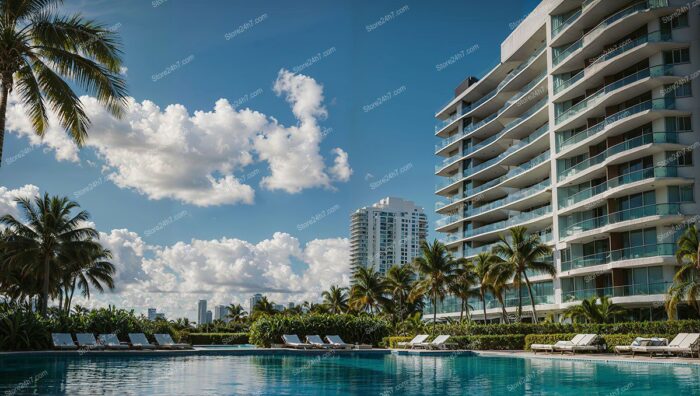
x=684, y=343
x=552, y=347
x=640, y=341
x=419, y=339
x=63, y=341
x=110, y=341
x=87, y=341
x=293, y=341
x=317, y=342
x=440, y=342
x=139, y=341
x=589, y=343
x=659, y=349
x=164, y=341
x=337, y=342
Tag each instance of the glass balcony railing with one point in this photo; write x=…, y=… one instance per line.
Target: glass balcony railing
x=513, y=221
x=448, y=220
x=565, y=53
x=545, y=237
x=668, y=103
x=444, y=182
x=447, y=161
x=666, y=209
x=566, y=23
x=591, y=100
x=617, y=291
x=446, y=142
x=634, y=252
x=527, y=62
x=513, y=197
x=450, y=237
x=632, y=177
x=534, y=109
x=528, y=165
x=649, y=138
x=447, y=201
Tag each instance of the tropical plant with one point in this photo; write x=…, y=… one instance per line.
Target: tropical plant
x=336, y=299
x=462, y=287
x=51, y=236
x=83, y=269
x=399, y=282
x=482, y=264
x=519, y=253
x=236, y=313
x=367, y=290
x=436, y=267
x=595, y=310
x=263, y=307
x=41, y=50
x=499, y=281
x=686, y=281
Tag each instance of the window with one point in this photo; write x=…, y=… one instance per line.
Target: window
x=681, y=194
x=678, y=124
x=679, y=21
x=683, y=91
x=678, y=56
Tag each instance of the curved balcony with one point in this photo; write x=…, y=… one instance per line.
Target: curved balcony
x=664, y=209
x=510, y=198
x=518, y=219
x=662, y=172
x=630, y=253
x=617, y=291
x=649, y=138
x=444, y=183
x=598, y=129
x=595, y=98
x=447, y=220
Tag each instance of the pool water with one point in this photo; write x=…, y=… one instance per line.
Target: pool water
x=332, y=374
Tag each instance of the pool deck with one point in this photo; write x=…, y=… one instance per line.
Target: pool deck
x=198, y=351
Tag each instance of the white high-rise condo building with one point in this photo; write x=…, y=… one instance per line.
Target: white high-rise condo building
x=253, y=300
x=587, y=133
x=202, y=312
x=221, y=313
x=387, y=233
x=152, y=314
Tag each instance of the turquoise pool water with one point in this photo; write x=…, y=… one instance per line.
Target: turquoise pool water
x=288, y=374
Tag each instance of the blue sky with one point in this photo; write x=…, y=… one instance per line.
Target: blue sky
x=356, y=63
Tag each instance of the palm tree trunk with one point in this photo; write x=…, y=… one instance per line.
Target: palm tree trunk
x=434, y=309
x=483, y=304
x=532, y=298
x=70, y=299
x=520, y=301
x=461, y=311
x=4, y=93
x=45, y=289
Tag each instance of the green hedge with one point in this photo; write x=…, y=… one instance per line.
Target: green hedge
x=546, y=339
x=216, y=338
x=362, y=329
x=479, y=342
x=500, y=329
x=393, y=342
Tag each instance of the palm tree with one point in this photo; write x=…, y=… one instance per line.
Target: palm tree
x=86, y=267
x=336, y=299
x=521, y=253
x=235, y=312
x=367, y=290
x=80, y=310
x=499, y=281
x=686, y=281
x=595, y=310
x=483, y=263
x=463, y=286
x=399, y=283
x=50, y=236
x=40, y=49
x=263, y=306
x=437, y=268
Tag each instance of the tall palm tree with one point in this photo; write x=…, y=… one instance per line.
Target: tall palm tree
x=436, y=267
x=499, y=281
x=686, y=281
x=595, y=310
x=522, y=252
x=367, y=290
x=336, y=299
x=50, y=236
x=483, y=263
x=40, y=50
x=235, y=312
x=462, y=286
x=264, y=306
x=400, y=280
x=86, y=267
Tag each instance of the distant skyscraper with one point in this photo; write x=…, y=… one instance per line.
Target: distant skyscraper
x=290, y=305
x=152, y=314
x=209, y=318
x=387, y=233
x=221, y=313
x=254, y=300
x=278, y=307
x=202, y=312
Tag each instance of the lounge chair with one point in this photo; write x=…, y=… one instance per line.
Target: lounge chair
x=293, y=341
x=552, y=347
x=337, y=342
x=63, y=341
x=110, y=341
x=640, y=341
x=164, y=341
x=684, y=343
x=139, y=341
x=589, y=343
x=419, y=339
x=440, y=342
x=88, y=341
x=317, y=342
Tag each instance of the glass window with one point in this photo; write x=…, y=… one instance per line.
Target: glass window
x=680, y=21
x=678, y=56
x=687, y=193
x=683, y=90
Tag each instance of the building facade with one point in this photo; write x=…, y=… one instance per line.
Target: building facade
x=152, y=312
x=253, y=300
x=587, y=132
x=221, y=313
x=387, y=233
x=202, y=312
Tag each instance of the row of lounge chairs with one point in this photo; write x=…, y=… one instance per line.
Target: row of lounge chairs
x=683, y=344
x=419, y=342
x=64, y=341
x=314, y=341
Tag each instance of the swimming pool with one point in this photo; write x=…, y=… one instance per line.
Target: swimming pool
x=335, y=373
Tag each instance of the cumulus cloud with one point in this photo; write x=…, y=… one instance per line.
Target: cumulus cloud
x=8, y=197
x=195, y=158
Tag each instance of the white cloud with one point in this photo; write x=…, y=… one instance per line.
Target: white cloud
x=200, y=158
x=8, y=197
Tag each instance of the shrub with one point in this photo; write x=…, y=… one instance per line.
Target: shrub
x=479, y=342
x=610, y=340
x=22, y=329
x=500, y=329
x=546, y=339
x=363, y=329
x=215, y=338
x=393, y=342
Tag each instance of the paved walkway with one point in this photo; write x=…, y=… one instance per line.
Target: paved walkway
x=599, y=357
